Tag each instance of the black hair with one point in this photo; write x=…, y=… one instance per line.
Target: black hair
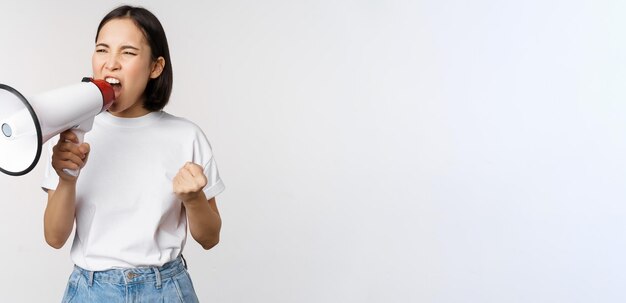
x=158, y=90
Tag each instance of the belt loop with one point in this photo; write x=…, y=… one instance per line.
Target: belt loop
x=157, y=274
x=90, y=278
x=184, y=261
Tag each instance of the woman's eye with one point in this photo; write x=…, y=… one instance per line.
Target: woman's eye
x=101, y=50
x=129, y=53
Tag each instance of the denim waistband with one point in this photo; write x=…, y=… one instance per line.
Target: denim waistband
x=148, y=274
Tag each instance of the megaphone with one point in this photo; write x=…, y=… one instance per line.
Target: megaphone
x=26, y=124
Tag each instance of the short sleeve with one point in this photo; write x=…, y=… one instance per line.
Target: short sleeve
x=203, y=155
x=214, y=183
x=50, y=177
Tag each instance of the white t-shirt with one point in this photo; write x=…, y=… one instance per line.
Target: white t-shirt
x=126, y=212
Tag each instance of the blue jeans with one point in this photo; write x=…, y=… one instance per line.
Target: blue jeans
x=168, y=283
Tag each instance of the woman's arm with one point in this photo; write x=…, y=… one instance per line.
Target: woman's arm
x=204, y=221
x=58, y=220
x=203, y=216
x=59, y=215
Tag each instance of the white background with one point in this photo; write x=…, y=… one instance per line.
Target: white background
x=373, y=151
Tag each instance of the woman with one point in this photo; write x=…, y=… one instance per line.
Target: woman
x=150, y=174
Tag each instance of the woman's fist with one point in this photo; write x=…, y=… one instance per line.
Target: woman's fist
x=68, y=154
x=189, y=182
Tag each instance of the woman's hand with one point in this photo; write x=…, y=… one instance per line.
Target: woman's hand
x=202, y=214
x=189, y=182
x=68, y=154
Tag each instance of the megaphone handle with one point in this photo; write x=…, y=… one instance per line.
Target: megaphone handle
x=80, y=135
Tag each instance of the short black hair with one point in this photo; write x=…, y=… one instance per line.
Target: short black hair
x=158, y=90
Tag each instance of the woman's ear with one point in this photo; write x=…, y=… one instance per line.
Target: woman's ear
x=157, y=68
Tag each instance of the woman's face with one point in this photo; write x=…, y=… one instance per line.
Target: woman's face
x=123, y=58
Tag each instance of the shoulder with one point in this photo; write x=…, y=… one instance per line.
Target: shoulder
x=183, y=126
x=175, y=122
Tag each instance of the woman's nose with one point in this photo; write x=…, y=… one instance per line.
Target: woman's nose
x=112, y=63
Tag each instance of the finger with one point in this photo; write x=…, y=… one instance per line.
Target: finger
x=64, y=151
x=71, y=165
x=179, y=186
x=84, y=148
x=193, y=168
x=175, y=183
x=196, y=170
x=185, y=175
x=61, y=165
x=86, y=155
x=71, y=148
x=186, y=167
x=178, y=179
x=67, y=146
x=68, y=156
x=68, y=135
x=199, y=181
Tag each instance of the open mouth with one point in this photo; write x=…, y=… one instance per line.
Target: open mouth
x=115, y=83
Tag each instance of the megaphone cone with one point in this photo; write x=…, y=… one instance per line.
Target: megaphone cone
x=25, y=125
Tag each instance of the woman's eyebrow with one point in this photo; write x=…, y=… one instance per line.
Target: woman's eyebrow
x=129, y=46
x=123, y=46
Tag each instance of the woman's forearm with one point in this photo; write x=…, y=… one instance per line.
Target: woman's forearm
x=59, y=214
x=204, y=220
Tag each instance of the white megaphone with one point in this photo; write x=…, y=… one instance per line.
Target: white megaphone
x=27, y=124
